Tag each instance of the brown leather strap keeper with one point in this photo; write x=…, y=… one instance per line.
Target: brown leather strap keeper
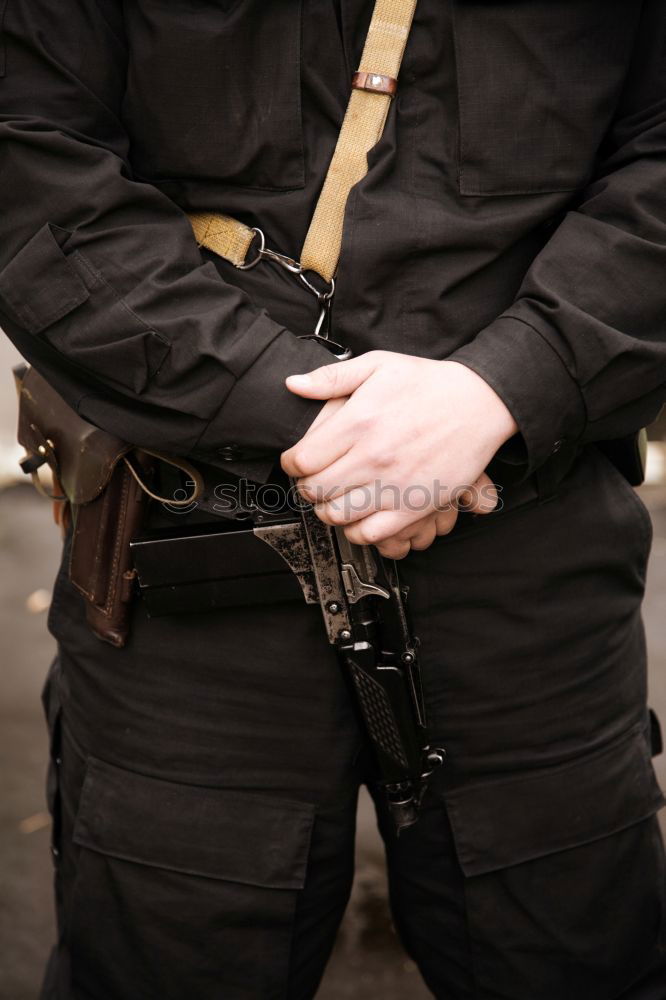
x=376, y=83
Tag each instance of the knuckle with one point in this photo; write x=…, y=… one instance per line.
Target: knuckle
x=379, y=455
x=445, y=524
x=370, y=535
x=335, y=513
x=364, y=423
x=298, y=460
x=423, y=541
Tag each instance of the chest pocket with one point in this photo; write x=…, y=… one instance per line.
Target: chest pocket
x=213, y=91
x=538, y=81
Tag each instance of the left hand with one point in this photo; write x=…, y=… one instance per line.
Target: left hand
x=413, y=436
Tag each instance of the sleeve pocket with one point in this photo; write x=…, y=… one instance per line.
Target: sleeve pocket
x=64, y=298
x=40, y=284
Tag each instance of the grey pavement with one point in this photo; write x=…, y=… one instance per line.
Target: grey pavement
x=368, y=960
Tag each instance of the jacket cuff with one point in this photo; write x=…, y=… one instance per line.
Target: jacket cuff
x=530, y=377
x=260, y=418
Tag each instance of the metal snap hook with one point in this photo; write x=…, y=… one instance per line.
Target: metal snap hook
x=322, y=296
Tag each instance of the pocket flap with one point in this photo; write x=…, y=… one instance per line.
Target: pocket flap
x=217, y=833
x=40, y=284
x=506, y=822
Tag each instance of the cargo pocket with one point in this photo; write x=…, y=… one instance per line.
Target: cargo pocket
x=564, y=876
x=64, y=298
x=538, y=83
x=182, y=890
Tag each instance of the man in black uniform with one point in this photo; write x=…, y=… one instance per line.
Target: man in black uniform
x=513, y=222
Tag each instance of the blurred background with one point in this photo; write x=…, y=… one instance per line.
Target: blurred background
x=368, y=960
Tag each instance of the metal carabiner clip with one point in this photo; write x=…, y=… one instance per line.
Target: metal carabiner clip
x=323, y=296
x=322, y=329
x=265, y=253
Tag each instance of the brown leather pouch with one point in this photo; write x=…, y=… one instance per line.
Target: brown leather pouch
x=104, y=486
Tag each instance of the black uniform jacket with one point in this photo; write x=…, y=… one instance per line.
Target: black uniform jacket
x=513, y=216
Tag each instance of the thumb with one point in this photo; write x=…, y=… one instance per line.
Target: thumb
x=481, y=498
x=331, y=381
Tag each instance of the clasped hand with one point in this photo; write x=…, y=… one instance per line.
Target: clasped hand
x=399, y=448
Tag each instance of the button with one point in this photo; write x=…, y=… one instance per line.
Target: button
x=556, y=447
x=229, y=453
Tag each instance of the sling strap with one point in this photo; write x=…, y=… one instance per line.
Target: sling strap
x=373, y=87
x=372, y=90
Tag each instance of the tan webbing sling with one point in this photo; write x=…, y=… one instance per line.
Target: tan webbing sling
x=373, y=87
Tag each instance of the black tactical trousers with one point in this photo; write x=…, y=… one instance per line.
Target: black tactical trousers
x=204, y=780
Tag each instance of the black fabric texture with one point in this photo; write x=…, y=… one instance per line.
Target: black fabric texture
x=207, y=787
x=512, y=217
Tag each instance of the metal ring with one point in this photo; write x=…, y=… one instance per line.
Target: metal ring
x=260, y=252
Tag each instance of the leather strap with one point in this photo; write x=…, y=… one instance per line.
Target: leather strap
x=178, y=463
x=373, y=87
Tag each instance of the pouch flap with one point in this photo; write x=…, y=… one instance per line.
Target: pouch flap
x=40, y=284
x=86, y=455
x=507, y=822
x=218, y=833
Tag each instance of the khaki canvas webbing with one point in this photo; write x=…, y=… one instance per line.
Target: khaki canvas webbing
x=361, y=130
x=223, y=235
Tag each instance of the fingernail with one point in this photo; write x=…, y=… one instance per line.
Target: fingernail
x=299, y=381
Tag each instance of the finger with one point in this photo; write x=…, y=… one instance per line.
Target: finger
x=337, y=379
x=445, y=520
x=412, y=530
x=380, y=526
x=322, y=446
x=481, y=498
x=328, y=410
x=424, y=537
x=339, y=478
x=349, y=506
x=392, y=548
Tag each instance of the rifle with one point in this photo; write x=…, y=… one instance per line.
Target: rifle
x=364, y=607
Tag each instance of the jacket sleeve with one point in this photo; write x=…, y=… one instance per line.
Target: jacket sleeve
x=102, y=286
x=581, y=354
